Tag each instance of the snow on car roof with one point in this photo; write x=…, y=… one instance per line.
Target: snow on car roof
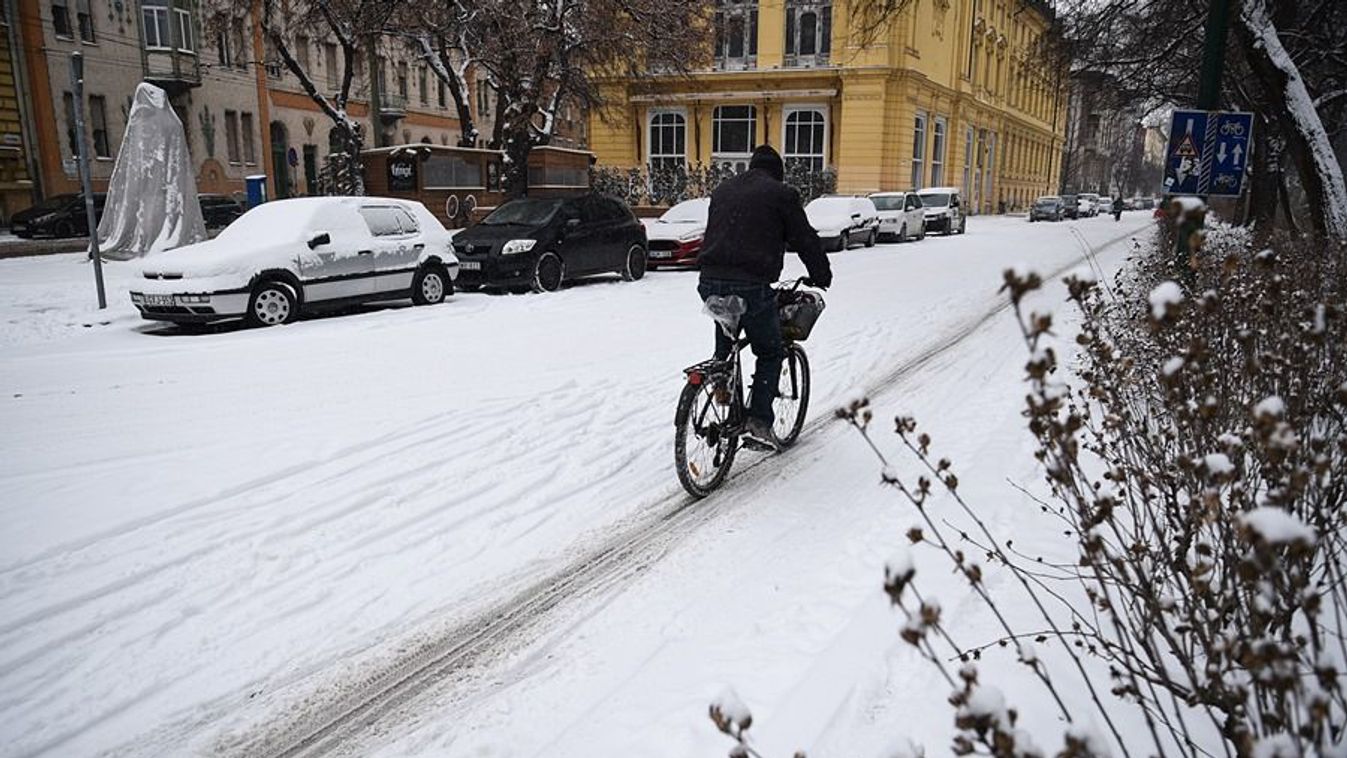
x=937, y=190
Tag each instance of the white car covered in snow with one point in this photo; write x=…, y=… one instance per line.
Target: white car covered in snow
x=841, y=220
x=900, y=215
x=676, y=237
x=288, y=256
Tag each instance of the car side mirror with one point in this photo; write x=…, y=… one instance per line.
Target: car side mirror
x=321, y=238
x=571, y=223
x=855, y=215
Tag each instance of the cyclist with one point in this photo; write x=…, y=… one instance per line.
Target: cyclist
x=754, y=218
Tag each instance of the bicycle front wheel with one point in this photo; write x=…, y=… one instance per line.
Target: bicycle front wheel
x=704, y=441
x=792, y=396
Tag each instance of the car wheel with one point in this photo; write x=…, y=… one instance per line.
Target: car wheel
x=902, y=233
x=636, y=263
x=548, y=273
x=870, y=238
x=844, y=242
x=963, y=224
x=431, y=285
x=272, y=303
x=63, y=230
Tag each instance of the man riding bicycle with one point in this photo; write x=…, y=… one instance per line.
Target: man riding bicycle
x=754, y=218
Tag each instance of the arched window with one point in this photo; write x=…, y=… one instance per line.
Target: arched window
x=736, y=23
x=668, y=139
x=808, y=32
x=806, y=137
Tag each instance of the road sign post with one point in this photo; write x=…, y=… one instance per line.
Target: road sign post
x=86, y=184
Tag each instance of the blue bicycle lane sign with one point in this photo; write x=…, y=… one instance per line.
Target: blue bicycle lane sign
x=1208, y=152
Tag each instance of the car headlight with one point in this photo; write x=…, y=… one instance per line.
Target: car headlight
x=193, y=298
x=518, y=246
x=137, y=298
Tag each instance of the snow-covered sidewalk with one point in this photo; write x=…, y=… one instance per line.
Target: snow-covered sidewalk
x=194, y=523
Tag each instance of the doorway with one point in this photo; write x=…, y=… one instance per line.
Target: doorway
x=280, y=144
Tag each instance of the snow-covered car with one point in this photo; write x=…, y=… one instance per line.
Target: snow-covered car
x=1096, y=204
x=900, y=215
x=841, y=220
x=290, y=256
x=944, y=210
x=676, y=237
x=1047, y=208
x=1084, y=207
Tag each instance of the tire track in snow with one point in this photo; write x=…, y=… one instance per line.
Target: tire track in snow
x=337, y=713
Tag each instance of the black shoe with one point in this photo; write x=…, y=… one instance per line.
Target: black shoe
x=758, y=435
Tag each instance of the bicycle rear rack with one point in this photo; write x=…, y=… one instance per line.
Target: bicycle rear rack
x=708, y=369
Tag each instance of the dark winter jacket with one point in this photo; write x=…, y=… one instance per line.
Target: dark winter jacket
x=753, y=220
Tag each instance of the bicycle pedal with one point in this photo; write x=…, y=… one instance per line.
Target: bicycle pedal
x=757, y=445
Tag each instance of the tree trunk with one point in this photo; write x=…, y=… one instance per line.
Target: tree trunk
x=1307, y=139
x=1263, y=181
x=517, y=146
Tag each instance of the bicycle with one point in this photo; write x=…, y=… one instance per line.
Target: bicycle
x=712, y=408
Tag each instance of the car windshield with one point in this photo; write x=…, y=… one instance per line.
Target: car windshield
x=277, y=221
x=1051, y=200
x=525, y=212
x=56, y=202
x=688, y=212
x=888, y=202
x=937, y=199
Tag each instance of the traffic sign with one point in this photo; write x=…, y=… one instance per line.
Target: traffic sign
x=1208, y=152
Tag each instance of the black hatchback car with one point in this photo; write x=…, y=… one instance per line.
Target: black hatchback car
x=57, y=216
x=539, y=243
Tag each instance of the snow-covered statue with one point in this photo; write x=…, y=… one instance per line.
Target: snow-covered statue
x=151, y=203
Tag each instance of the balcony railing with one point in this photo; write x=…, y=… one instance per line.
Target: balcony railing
x=173, y=70
x=392, y=105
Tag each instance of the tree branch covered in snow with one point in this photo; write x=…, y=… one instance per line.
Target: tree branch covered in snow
x=1198, y=459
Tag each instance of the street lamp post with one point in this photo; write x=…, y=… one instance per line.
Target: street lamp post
x=86, y=183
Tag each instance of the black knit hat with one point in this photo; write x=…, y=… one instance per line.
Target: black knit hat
x=768, y=159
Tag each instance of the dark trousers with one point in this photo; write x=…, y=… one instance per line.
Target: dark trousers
x=761, y=324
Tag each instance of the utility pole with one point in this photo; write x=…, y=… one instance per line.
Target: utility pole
x=86, y=184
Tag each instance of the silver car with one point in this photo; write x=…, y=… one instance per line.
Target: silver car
x=901, y=215
x=288, y=256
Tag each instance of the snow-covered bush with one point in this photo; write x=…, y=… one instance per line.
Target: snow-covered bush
x=1197, y=458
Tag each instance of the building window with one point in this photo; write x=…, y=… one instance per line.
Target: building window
x=808, y=32
x=68, y=100
x=232, y=136
x=249, y=147
x=402, y=81
x=98, y=124
x=302, y=52
x=668, y=140
x=736, y=34
x=968, y=163
x=186, y=42
x=734, y=131
x=155, y=26
x=240, y=47
x=60, y=18
x=806, y=138
x=938, y=130
x=439, y=92
x=423, y=84
x=918, y=149
x=330, y=63
x=85, y=20
x=483, y=98
x=224, y=50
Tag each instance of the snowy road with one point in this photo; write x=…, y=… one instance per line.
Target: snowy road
x=208, y=538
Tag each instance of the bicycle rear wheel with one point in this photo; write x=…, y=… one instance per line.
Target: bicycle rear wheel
x=792, y=396
x=704, y=447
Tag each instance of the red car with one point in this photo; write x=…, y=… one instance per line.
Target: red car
x=676, y=237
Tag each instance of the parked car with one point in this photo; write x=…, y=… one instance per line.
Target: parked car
x=1084, y=207
x=944, y=210
x=900, y=215
x=676, y=237
x=219, y=211
x=1096, y=204
x=841, y=220
x=540, y=243
x=57, y=216
x=291, y=256
x=1070, y=206
x=1046, y=208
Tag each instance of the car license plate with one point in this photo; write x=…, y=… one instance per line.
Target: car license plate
x=470, y=265
x=661, y=254
x=158, y=299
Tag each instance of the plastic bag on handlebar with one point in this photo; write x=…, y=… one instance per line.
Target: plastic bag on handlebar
x=726, y=310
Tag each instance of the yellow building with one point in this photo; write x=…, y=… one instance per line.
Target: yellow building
x=949, y=92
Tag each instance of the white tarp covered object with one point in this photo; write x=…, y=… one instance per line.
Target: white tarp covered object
x=151, y=203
